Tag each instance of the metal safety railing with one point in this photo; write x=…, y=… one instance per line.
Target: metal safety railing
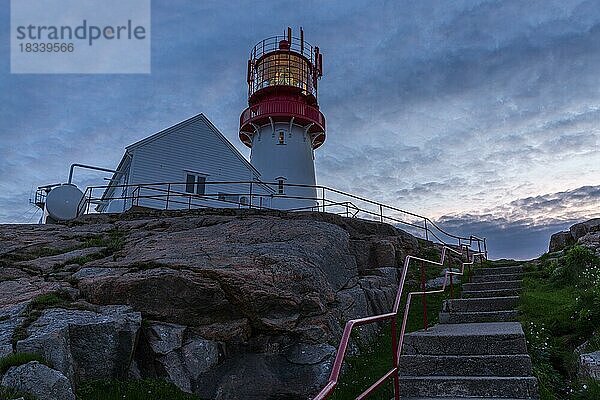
x=392, y=317
x=269, y=195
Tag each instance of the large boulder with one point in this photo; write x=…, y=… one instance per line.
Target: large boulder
x=176, y=353
x=581, y=229
x=38, y=380
x=85, y=345
x=294, y=373
x=560, y=240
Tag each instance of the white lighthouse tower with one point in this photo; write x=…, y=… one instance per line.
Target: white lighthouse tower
x=282, y=124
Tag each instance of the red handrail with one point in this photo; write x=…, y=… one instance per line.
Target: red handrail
x=392, y=316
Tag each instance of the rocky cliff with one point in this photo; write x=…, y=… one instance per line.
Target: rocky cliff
x=219, y=302
x=585, y=233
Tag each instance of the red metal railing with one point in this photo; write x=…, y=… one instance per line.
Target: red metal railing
x=397, y=342
x=275, y=108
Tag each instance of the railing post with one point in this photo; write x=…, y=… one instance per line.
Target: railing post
x=323, y=198
x=347, y=213
x=168, y=194
x=89, y=201
x=485, y=248
x=424, y=296
x=451, y=284
x=395, y=357
x=381, y=213
x=190, y=202
x=426, y=230
x=250, y=194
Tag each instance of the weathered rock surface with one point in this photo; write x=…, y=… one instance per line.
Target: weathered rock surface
x=39, y=380
x=10, y=320
x=85, y=345
x=583, y=228
x=176, y=353
x=584, y=233
x=234, y=298
x=560, y=240
x=589, y=365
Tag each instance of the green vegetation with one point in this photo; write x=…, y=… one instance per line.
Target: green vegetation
x=143, y=389
x=112, y=241
x=560, y=310
x=16, y=359
x=35, y=308
x=373, y=361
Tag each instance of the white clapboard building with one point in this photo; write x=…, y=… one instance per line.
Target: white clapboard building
x=181, y=167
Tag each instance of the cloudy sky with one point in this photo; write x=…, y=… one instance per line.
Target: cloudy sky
x=484, y=115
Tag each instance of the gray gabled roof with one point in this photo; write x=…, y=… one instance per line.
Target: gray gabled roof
x=164, y=132
x=189, y=121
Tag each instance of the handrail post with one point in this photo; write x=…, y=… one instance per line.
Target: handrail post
x=168, y=194
x=381, y=213
x=485, y=248
x=323, y=198
x=89, y=201
x=426, y=230
x=395, y=357
x=424, y=296
x=250, y=194
x=451, y=285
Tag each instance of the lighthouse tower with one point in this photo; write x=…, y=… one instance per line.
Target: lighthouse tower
x=282, y=124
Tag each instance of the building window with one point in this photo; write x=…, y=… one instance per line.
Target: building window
x=281, y=185
x=195, y=183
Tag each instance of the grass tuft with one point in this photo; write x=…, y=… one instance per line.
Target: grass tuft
x=143, y=389
x=16, y=359
x=560, y=310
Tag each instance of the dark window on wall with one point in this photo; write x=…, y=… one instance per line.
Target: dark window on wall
x=280, y=185
x=281, y=139
x=189, y=183
x=195, y=183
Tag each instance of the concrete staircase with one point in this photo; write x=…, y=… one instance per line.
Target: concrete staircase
x=478, y=351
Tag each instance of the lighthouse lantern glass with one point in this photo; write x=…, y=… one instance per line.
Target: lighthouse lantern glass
x=283, y=69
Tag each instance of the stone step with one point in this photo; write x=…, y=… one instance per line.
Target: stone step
x=499, y=270
x=479, y=316
x=486, y=365
x=458, y=398
x=496, y=278
x=469, y=386
x=484, y=304
x=469, y=287
x=490, y=293
x=467, y=339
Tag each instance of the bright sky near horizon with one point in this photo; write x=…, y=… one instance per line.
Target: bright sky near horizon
x=484, y=115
